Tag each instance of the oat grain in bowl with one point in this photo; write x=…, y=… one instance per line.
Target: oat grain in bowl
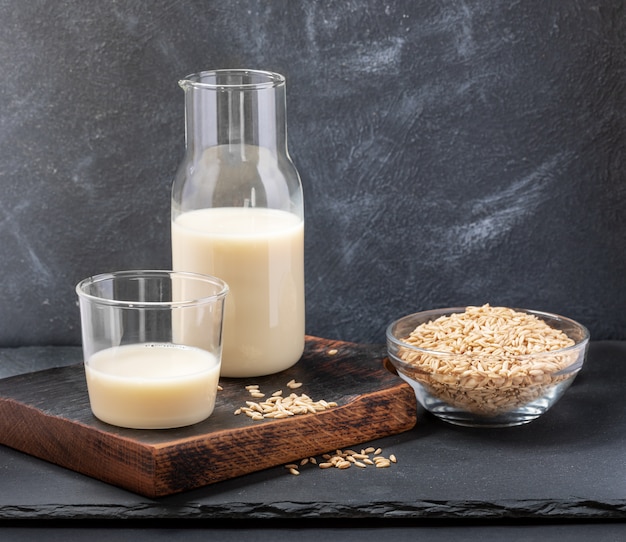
x=487, y=366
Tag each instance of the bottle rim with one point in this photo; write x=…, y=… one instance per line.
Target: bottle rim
x=244, y=79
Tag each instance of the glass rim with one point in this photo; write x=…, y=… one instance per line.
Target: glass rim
x=82, y=293
x=268, y=79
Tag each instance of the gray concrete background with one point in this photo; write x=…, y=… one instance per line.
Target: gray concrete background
x=451, y=152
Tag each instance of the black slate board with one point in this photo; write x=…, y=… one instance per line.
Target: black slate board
x=568, y=465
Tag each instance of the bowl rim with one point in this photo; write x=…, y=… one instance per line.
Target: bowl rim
x=581, y=343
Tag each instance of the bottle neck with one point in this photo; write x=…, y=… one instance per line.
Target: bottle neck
x=237, y=109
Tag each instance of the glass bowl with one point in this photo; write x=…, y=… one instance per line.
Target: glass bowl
x=476, y=389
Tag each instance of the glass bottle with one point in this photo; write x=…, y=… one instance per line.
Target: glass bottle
x=238, y=213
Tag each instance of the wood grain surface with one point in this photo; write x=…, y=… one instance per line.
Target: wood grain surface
x=46, y=414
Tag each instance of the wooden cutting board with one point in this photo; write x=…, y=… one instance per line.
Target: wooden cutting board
x=46, y=414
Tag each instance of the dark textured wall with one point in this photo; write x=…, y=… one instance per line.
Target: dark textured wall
x=451, y=152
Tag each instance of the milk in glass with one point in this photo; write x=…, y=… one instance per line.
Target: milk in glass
x=152, y=385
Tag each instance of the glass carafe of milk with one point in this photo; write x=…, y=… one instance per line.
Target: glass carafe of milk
x=237, y=214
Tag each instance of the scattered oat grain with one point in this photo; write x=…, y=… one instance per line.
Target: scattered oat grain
x=344, y=459
x=279, y=407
